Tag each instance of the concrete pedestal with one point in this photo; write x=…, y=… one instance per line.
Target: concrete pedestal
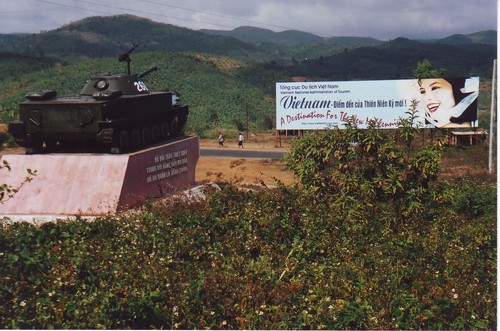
x=97, y=184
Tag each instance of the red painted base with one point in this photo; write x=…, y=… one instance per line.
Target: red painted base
x=97, y=184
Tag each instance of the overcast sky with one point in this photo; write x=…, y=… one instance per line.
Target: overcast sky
x=381, y=19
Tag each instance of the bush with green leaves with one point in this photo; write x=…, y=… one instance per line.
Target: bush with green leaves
x=367, y=171
x=368, y=240
x=267, y=259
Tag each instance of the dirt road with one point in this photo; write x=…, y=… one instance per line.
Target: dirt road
x=244, y=170
x=234, y=169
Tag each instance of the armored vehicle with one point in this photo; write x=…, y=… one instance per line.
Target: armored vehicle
x=114, y=113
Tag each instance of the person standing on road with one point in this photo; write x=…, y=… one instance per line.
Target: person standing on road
x=221, y=139
x=240, y=140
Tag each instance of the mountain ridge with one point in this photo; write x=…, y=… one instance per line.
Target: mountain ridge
x=299, y=52
x=107, y=34
x=255, y=34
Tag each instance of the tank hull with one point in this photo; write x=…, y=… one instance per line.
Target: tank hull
x=114, y=123
x=113, y=112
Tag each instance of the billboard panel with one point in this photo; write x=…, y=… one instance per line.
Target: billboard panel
x=442, y=103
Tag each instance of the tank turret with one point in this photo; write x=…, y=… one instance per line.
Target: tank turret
x=113, y=112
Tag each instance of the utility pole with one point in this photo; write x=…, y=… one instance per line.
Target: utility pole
x=492, y=118
x=246, y=108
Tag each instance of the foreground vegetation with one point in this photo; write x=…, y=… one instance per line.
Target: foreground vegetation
x=368, y=240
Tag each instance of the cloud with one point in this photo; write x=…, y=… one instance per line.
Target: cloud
x=382, y=19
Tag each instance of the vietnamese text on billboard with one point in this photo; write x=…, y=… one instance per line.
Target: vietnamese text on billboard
x=441, y=102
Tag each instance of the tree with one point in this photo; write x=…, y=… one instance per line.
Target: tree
x=424, y=69
x=367, y=170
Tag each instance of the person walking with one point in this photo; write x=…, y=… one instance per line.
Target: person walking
x=240, y=140
x=221, y=139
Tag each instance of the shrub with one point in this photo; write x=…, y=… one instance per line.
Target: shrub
x=473, y=198
x=341, y=258
x=366, y=171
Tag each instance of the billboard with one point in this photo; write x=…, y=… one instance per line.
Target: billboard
x=442, y=102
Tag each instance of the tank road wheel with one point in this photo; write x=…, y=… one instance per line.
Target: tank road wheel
x=182, y=122
x=174, y=127
x=146, y=135
x=36, y=147
x=124, y=141
x=155, y=133
x=50, y=146
x=136, y=138
x=164, y=130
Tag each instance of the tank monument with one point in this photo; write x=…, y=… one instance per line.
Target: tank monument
x=110, y=148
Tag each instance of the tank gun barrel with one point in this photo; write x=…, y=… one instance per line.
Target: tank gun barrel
x=147, y=72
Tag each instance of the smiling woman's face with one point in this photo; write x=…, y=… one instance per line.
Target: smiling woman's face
x=436, y=95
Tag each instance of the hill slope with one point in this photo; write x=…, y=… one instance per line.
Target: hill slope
x=253, y=34
x=109, y=36
x=488, y=37
x=398, y=58
x=222, y=92
x=288, y=37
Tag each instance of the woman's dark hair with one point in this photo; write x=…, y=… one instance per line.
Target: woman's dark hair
x=457, y=84
x=470, y=114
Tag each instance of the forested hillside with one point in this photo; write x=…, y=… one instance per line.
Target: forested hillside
x=13, y=65
x=222, y=92
x=227, y=80
x=109, y=36
x=397, y=58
